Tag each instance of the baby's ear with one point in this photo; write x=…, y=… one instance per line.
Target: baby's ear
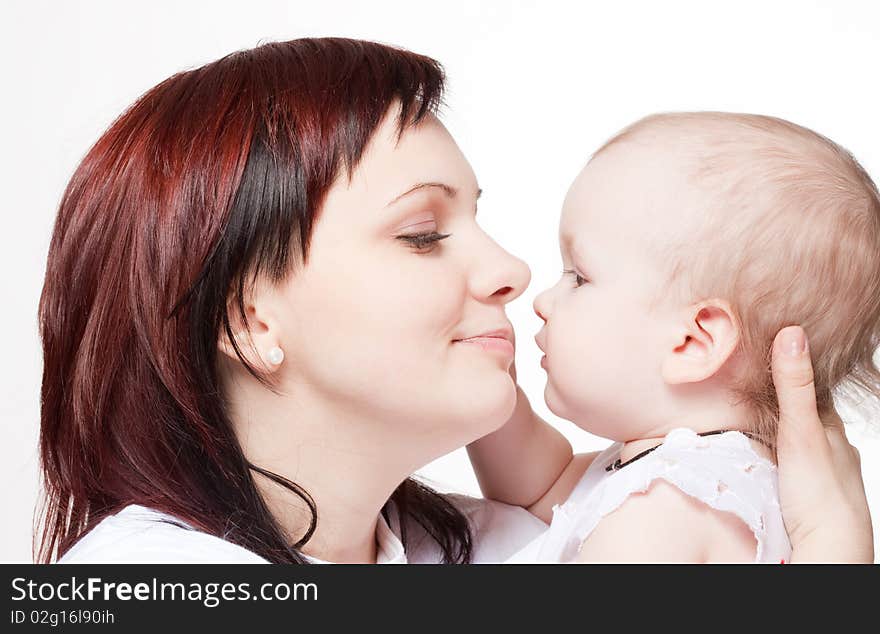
x=705, y=338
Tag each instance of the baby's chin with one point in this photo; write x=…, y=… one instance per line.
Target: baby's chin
x=591, y=417
x=563, y=408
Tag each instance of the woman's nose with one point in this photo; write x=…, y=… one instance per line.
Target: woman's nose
x=505, y=277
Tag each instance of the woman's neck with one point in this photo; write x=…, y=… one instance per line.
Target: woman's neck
x=342, y=460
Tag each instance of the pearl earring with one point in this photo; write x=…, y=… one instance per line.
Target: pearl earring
x=275, y=355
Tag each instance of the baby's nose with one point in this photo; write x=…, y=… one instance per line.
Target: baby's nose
x=540, y=305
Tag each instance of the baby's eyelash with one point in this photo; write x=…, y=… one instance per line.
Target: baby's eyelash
x=579, y=280
x=423, y=241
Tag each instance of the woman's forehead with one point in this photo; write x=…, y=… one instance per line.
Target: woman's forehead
x=424, y=153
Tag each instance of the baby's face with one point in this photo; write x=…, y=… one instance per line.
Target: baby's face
x=605, y=333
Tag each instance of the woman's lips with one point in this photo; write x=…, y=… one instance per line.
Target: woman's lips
x=491, y=344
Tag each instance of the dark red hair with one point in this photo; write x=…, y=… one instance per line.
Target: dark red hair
x=211, y=178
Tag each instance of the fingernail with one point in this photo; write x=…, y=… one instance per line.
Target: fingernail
x=794, y=342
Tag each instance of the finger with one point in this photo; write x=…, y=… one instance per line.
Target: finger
x=837, y=439
x=793, y=378
x=832, y=421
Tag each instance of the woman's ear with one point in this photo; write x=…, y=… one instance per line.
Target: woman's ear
x=706, y=337
x=255, y=333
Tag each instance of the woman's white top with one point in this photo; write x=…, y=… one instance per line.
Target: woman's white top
x=137, y=534
x=722, y=471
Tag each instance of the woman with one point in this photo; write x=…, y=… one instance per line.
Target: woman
x=257, y=300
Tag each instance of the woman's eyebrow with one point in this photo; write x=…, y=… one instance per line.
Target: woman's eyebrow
x=449, y=190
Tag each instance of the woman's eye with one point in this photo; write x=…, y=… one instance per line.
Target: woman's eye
x=423, y=242
x=578, y=279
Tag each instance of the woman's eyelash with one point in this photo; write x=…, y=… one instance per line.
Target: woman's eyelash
x=579, y=280
x=421, y=241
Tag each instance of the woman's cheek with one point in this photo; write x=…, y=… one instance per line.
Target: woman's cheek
x=416, y=316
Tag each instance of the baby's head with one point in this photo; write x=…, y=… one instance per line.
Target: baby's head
x=689, y=240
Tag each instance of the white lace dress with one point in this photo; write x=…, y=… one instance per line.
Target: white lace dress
x=722, y=470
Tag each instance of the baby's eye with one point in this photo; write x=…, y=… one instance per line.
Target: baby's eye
x=579, y=280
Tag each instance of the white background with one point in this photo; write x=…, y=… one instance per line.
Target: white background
x=534, y=87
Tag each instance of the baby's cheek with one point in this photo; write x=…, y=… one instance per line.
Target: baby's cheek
x=576, y=355
x=596, y=364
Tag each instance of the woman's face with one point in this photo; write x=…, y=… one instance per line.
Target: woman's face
x=372, y=321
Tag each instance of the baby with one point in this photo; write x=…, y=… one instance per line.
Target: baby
x=688, y=241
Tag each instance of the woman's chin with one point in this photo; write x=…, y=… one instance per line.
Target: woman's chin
x=496, y=419
x=487, y=402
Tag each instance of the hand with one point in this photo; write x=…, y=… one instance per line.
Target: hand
x=821, y=490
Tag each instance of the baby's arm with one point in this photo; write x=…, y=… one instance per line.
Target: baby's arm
x=665, y=524
x=527, y=462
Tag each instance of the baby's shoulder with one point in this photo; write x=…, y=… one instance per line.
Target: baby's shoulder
x=664, y=523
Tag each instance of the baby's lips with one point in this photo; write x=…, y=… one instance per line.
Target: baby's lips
x=539, y=342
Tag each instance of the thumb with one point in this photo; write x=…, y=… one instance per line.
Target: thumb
x=792, y=369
